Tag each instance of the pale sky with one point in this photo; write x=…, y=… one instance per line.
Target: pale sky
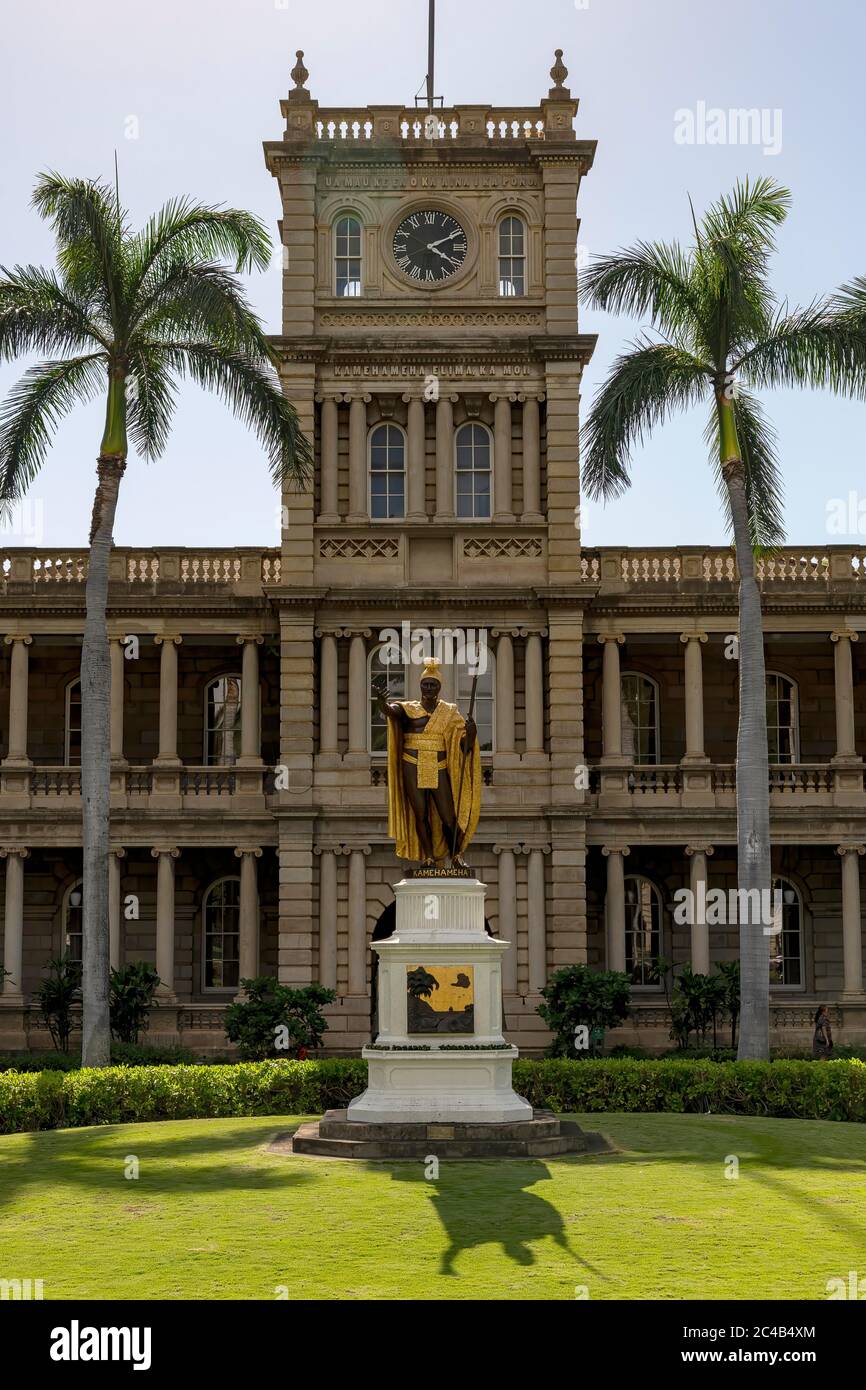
x=198, y=82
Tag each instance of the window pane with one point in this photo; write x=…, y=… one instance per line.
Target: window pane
x=222, y=935
x=223, y=733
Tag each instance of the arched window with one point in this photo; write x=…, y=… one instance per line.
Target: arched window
x=474, y=448
x=387, y=457
x=640, y=717
x=221, y=934
x=512, y=256
x=403, y=684
x=72, y=922
x=222, y=725
x=786, y=942
x=783, y=722
x=643, y=929
x=72, y=740
x=347, y=256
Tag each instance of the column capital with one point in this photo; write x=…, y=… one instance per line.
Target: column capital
x=118, y=851
x=17, y=637
x=608, y=850
x=250, y=637
x=356, y=397
x=524, y=396
x=254, y=850
x=355, y=632
x=508, y=632
x=850, y=849
x=699, y=849
x=13, y=850
x=354, y=849
x=618, y=637
x=841, y=632
x=170, y=637
x=694, y=637
x=526, y=848
x=507, y=849
x=169, y=850
x=446, y=398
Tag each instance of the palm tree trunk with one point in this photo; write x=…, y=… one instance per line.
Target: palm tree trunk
x=96, y=738
x=753, y=794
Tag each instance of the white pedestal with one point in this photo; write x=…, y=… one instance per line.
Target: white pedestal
x=443, y=1070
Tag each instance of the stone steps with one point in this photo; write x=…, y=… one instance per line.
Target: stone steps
x=334, y=1136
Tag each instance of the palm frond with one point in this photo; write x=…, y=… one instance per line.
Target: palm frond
x=186, y=231
x=758, y=451
x=812, y=346
x=650, y=278
x=200, y=302
x=251, y=389
x=90, y=231
x=38, y=313
x=32, y=411
x=151, y=401
x=644, y=387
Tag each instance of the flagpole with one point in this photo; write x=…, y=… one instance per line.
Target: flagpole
x=431, y=45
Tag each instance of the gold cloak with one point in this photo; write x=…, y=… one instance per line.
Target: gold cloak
x=447, y=722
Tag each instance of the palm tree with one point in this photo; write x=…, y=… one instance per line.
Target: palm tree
x=129, y=313
x=721, y=333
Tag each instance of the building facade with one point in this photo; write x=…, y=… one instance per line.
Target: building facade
x=430, y=345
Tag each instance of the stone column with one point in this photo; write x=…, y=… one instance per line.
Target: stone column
x=445, y=462
x=248, y=916
x=504, y=713
x=328, y=723
x=13, y=925
x=327, y=918
x=852, y=932
x=611, y=698
x=165, y=919
x=700, y=934
x=329, y=463
x=502, y=488
x=531, y=462
x=534, y=694
x=536, y=921
x=251, y=737
x=846, y=749
x=18, y=698
x=118, y=662
x=357, y=920
x=358, y=507
x=415, y=480
x=615, y=855
x=359, y=696
x=167, y=755
x=694, y=685
x=115, y=910
x=508, y=915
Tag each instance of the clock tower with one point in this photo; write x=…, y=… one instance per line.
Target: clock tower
x=430, y=345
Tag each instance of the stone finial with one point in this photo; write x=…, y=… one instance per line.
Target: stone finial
x=559, y=72
x=299, y=76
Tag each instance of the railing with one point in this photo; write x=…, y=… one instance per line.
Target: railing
x=55, y=781
x=62, y=781
x=360, y=125
x=787, y=566
x=186, y=568
x=379, y=775
x=210, y=781
x=660, y=780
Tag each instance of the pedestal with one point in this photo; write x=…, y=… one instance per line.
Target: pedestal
x=440, y=1055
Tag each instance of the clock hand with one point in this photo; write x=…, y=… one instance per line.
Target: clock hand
x=450, y=237
x=437, y=252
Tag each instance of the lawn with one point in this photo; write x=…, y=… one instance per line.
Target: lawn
x=214, y=1215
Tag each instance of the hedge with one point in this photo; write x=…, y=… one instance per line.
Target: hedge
x=119, y=1095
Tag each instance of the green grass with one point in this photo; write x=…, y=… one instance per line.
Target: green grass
x=214, y=1215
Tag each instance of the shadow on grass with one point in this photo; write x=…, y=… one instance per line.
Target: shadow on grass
x=93, y=1159
x=507, y=1215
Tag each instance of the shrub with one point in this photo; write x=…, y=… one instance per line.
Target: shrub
x=57, y=996
x=275, y=1020
x=120, y=1095
x=575, y=996
x=130, y=999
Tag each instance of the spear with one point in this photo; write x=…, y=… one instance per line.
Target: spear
x=463, y=771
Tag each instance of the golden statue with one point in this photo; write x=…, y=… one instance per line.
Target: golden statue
x=434, y=773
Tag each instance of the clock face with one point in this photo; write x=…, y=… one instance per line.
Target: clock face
x=429, y=246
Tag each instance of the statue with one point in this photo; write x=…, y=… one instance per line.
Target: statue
x=434, y=773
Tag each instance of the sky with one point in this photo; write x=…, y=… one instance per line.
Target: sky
x=186, y=90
